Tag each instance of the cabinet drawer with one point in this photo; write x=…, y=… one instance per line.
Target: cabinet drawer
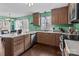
x=18, y=49
x=18, y=42
x=18, y=38
x=27, y=36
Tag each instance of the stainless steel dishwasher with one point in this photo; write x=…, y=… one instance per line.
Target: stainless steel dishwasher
x=33, y=39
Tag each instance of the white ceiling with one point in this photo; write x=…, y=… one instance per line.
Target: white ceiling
x=22, y=9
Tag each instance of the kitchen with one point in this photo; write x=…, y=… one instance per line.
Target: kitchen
x=34, y=29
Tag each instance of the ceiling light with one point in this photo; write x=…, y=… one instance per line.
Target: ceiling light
x=29, y=4
x=8, y=16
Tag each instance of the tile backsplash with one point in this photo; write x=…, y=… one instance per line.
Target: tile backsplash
x=64, y=26
x=76, y=26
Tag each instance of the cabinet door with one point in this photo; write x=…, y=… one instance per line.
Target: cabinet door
x=41, y=38
x=60, y=15
x=64, y=15
x=18, y=45
x=36, y=18
x=27, y=42
x=55, y=16
x=57, y=40
x=48, y=39
x=7, y=44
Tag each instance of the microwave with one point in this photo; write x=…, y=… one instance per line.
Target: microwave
x=74, y=12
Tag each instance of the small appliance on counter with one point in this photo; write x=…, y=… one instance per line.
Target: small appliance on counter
x=4, y=32
x=74, y=35
x=19, y=31
x=13, y=31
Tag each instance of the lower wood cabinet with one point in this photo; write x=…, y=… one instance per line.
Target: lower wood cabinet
x=27, y=42
x=48, y=38
x=17, y=45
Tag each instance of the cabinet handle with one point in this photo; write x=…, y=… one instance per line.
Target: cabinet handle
x=3, y=41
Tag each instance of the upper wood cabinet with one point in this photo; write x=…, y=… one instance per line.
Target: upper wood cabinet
x=36, y=18
x=60, y=15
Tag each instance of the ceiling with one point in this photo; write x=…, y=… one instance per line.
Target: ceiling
x=22, y=9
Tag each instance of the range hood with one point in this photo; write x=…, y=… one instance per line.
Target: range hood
x=74, y=12
x=75, y=21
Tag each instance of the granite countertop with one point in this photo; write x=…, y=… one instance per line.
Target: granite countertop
x=70, y=34
x=73, y=47
x=12, y=35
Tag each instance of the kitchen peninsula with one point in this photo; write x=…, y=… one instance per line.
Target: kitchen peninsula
x=15, y=44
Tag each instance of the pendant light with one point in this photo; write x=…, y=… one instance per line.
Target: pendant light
x=8, y=18
x=29, y=4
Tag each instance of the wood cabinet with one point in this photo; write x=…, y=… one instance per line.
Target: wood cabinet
x=7, y=46
x=16, y=45
x=48, y=38
x=60, y=15
x=36, y=18
x=27, y=42
x=13, y=46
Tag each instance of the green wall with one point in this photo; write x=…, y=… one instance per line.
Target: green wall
x=33, y=27
x=76, y=26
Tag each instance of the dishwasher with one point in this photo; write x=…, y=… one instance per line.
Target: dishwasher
x=33, y=39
